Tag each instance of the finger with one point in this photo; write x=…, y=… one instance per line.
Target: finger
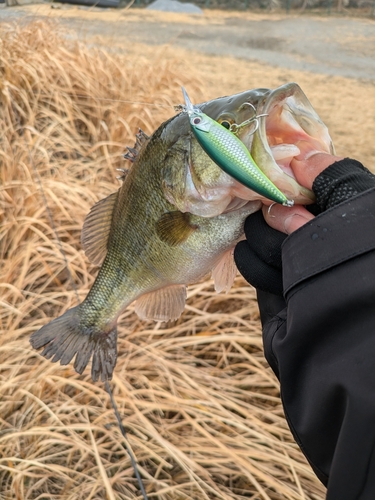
x=257, y=272
x=286, y=219
x=307, y=168
x=263, y=240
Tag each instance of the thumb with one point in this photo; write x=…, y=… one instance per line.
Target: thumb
x=286, y=219
x=306, y=169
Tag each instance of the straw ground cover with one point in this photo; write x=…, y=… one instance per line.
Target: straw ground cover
x=200, y=405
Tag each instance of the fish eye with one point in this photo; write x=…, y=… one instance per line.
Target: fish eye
x=226, y=121
x=197, y=120
x=225, y=124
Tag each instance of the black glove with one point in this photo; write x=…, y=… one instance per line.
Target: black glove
x=339, y=182
x=259, y=257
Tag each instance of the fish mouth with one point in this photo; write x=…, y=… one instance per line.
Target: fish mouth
x=291, y=129
x=288, y=129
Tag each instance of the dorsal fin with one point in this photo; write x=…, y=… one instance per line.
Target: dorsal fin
x=124, y=173
x=175, y=227
x=96, y=228
x=162, y=305
x=224, y=272
x=140, y=139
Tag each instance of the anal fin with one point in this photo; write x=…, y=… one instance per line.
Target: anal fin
x=162, y=305
x=224, y=272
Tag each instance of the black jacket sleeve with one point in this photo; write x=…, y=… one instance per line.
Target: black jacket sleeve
x=322, y=345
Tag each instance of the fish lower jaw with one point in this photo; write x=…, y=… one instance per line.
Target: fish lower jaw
x=277, y=164
x=283, y=154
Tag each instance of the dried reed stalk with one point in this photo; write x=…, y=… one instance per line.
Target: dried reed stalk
x=200, y=405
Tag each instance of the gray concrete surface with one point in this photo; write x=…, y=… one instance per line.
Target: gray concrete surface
x=332, y=46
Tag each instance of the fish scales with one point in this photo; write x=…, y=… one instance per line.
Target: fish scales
x=138, y=261
x=176, y=218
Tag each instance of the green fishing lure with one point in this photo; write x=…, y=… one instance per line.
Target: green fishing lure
x=230, y=154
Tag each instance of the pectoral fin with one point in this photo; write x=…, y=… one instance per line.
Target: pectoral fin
x=175, y=227
x=162, y=305
x=96, y=228
x=224, y=272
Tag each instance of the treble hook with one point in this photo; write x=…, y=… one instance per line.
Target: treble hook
x=269, y=211
x=234, y=128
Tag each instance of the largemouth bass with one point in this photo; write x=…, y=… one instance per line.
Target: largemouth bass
x=176, y=218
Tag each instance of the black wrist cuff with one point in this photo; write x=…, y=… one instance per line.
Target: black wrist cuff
x=340, y=181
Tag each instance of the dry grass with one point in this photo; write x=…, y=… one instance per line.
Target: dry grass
x=199, y=403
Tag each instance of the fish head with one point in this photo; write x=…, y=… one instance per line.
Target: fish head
x=288, y=128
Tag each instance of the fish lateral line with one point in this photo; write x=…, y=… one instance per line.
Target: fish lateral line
x=229, y=152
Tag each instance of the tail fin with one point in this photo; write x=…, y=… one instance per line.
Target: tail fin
x=65, y=337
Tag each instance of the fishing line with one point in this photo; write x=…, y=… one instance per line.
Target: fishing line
x=112, y=100
x=25, y=132
x=127, y=447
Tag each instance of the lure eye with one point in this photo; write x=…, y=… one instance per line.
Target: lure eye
x=197, y=121
x=225, y=124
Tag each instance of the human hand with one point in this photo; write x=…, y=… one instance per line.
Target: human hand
x=305, y=170
x=333, y=180
x=258, y=258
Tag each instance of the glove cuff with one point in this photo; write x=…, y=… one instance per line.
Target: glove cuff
x=340, y=181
